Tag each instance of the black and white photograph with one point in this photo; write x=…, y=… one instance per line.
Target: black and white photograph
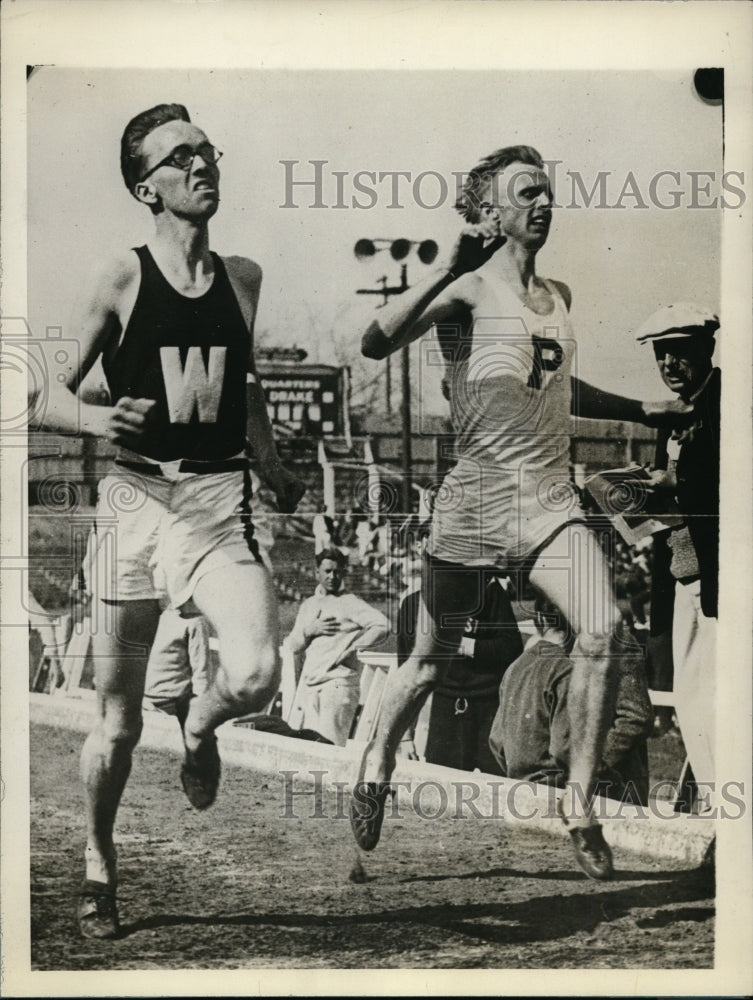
x=376, y=526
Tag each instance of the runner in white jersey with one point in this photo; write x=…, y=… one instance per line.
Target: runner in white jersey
x=511, y=419
x=507, y=343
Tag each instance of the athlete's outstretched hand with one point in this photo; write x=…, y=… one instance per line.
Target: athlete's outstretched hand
x=474, y=246
x=125, y=422
x=661, y=479
x=673, y=413
x=287, y=487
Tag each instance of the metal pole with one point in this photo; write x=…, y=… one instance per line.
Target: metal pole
x=328, y=477
x=406, y=415
x=406, y=422
x=386, y=291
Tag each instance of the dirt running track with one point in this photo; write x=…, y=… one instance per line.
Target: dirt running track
x=241, y=887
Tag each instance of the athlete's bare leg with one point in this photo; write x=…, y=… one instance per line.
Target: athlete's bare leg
x=408, y=689
x=572, y=571
x=120, y=659
x=240, y=604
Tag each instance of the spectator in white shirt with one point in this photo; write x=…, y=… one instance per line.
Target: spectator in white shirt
x=331, y=626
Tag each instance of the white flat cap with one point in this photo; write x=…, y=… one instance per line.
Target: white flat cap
x=682, y=319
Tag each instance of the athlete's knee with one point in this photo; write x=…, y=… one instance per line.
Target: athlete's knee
x=423, y=673
x=598, y=641
x=259, y=679
x=119, y=731
x=595, y=645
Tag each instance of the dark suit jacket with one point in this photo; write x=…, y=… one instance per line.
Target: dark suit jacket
x=698, y=499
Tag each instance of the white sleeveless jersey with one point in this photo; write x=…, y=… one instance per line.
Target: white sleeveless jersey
x=509, y=382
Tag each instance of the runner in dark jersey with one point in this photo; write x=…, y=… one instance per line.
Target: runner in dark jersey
x=173, y=324
x=171, y=341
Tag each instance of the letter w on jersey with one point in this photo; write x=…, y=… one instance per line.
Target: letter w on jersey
x=195, y=386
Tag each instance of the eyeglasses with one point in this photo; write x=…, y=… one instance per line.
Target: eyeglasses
x=182, y=158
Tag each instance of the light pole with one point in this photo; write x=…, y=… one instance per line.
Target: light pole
x=399, y=250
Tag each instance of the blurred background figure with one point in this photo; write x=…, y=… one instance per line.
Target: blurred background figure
x=181, y=664
x=330, y=628
x=325, y=531
x=530, y=735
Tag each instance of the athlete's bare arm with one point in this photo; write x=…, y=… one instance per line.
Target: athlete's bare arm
x=440, y=298
x=245, y=277
x=589, y=401
x=99, y=317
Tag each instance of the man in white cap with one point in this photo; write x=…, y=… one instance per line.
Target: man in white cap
x=686, y=566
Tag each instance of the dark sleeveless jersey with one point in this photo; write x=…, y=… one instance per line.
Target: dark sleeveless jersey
x=191, y=356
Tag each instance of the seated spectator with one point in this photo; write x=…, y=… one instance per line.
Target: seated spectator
x=325, y=531
x=365, y=539
x=530, y=735
x=412, y=559
x=632, y=595
x=331, y=626
x=48, y=637
x=347, y=529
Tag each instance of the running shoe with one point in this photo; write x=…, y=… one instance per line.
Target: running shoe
x=592, y=852
x=200, y=773
x=97, y=911
x=367, y=806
